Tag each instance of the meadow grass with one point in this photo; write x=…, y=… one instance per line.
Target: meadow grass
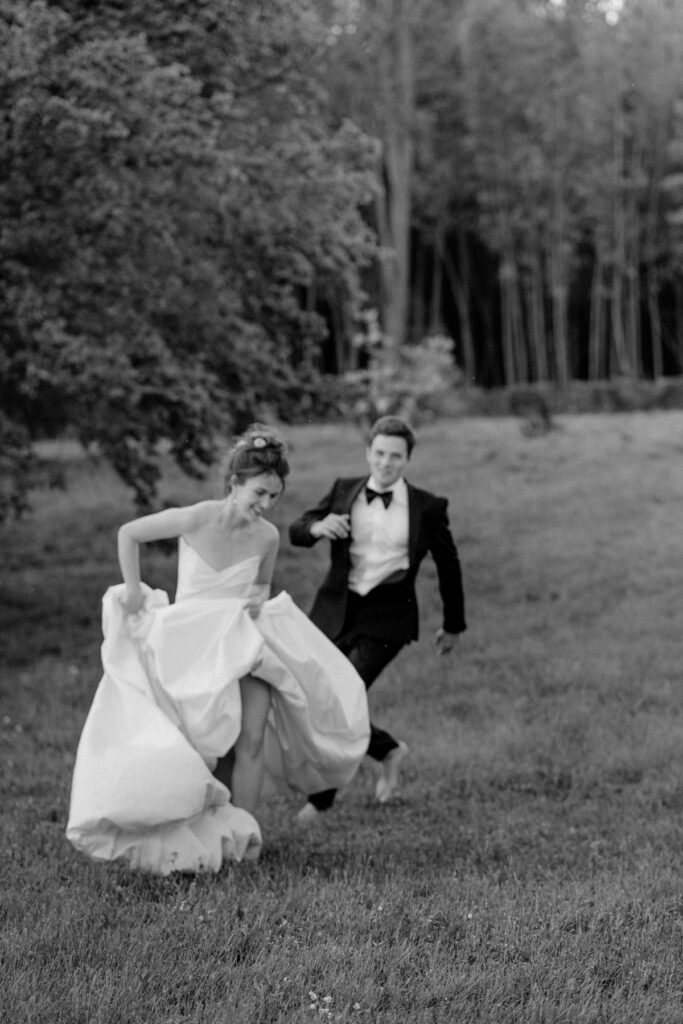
x=529, y=872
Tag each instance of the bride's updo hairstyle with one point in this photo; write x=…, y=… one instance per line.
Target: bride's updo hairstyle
x=258, y=450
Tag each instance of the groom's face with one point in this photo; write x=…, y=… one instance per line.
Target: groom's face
x=387, y=458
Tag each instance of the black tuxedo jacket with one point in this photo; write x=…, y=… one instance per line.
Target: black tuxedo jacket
x=394, y=605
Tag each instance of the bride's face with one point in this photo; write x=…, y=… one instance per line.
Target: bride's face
x=256, y=495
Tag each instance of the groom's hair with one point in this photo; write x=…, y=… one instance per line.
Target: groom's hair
x=393, y=426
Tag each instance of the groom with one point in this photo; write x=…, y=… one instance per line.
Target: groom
x=380, y=528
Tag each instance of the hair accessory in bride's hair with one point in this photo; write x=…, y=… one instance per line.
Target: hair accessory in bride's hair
x=257, y=451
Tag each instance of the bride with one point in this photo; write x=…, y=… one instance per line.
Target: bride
x=223, y=679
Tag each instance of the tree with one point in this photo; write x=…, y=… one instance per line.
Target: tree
x=521, y=80
x=632, y=75
x=372, y=69
x=166, y=210
x=567, y=114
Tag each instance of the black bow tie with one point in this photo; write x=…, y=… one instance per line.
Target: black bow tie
x=386, y=496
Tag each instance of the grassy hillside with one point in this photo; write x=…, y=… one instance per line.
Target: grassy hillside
x=530, y=870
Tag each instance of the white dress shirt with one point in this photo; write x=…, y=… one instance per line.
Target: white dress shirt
x=379, y=537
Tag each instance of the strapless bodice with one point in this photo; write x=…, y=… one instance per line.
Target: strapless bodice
x=196, y=578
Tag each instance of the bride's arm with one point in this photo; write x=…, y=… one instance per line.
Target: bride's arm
x=171, y=522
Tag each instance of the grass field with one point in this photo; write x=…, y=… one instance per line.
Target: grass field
x=530, y=871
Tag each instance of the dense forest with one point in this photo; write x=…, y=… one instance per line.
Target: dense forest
x=530, y=196
x=209, y=210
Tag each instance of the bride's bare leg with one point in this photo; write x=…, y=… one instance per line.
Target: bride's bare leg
x=247, y=773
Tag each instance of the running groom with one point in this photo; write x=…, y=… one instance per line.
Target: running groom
x=380, y=528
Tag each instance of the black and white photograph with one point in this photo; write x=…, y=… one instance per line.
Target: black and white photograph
x=341, y=477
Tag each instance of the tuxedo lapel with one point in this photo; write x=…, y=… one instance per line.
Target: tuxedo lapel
x=413, y=523
x=354, y=489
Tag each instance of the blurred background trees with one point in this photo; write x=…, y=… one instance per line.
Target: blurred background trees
x=202, y=205
x=174, y=207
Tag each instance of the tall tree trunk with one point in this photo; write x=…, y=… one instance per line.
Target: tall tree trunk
x=487, y=357
x=506, y=278
x=558, y=270
x=520, y=333
x=462, y=305
x=435, y=318
x=655, y=321
x=596, y=330
x=618, y=265
x=559, y=296
x=651, y=231
x=537, y=321
x=623, y=367
x=396, y=62
x=469, y=360
x=633, y=314
x=514, y=351
x=418, y=317
x=632, y=259
x=678, y=326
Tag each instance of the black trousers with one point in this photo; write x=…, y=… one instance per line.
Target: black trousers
x=368, y=655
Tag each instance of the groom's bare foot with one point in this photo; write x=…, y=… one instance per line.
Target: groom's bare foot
x=308, y=815
x=388, y=782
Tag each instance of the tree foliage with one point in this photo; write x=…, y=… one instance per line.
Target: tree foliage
x=171, y=196
x=188, y=198
x=535, y=148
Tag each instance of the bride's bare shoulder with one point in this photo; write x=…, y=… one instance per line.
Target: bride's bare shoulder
x=269, y=534
x=203, y=513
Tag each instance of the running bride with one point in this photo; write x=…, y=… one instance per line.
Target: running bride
x=223, y=676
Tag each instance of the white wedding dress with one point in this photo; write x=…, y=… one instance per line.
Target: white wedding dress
x=169, y=705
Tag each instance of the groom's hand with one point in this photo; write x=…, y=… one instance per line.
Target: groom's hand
x=334, y=526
